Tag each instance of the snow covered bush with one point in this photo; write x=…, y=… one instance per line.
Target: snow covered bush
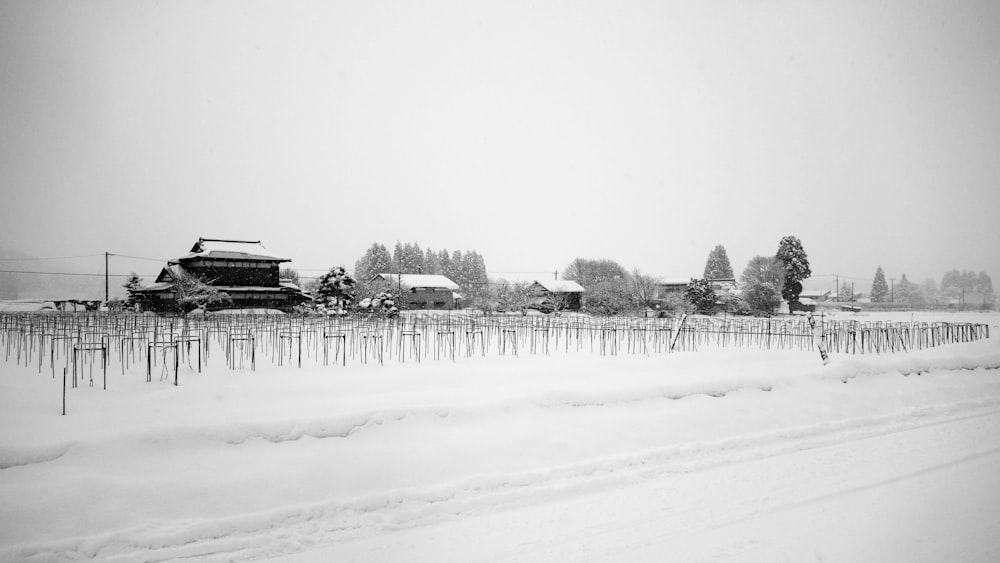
x=382, y=304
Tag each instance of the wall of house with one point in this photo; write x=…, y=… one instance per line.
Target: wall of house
x=428, y=299
x=166, y=301
x=235, y=272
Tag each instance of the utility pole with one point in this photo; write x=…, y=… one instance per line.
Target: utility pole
x=892, y=290
x=836, y=287
x=106, y=254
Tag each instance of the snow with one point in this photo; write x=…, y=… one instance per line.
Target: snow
x=240, y=250
x=720, y=454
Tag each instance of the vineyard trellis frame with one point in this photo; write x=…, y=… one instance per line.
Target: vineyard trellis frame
x=29, y=337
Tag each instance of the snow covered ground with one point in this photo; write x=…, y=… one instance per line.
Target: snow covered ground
x=715, y=455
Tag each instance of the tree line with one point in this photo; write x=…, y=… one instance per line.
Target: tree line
x=764, y=284
x=964, y=288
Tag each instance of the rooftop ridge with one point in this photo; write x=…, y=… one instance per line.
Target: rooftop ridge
x=203, y=239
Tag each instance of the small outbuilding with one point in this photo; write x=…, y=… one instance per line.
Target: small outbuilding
x=421, y=291
x=565, y=294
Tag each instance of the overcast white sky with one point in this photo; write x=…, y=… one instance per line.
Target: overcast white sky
x=532, y=132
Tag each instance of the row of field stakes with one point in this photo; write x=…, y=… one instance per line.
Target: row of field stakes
x=151, y=341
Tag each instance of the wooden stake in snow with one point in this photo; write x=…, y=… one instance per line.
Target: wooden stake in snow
x=819, y=339
x=677, y=332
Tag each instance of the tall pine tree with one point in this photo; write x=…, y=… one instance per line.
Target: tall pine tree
x=375, y=261
x=718, y=266
x=432, y=262
x=793, y=257
x=133, y=283
x=880, y=289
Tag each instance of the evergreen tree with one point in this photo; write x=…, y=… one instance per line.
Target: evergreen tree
x=455, y=273
x=133, y=283
x=762, y=281
x=397, y=258
x=796, y=264
x=846, y=292
x=444, y=258
x=700, y=295
x=376, y=260
x=880, y=289
x=413, y=259
x=334, y=289
x=908, y=293
x=717, y=266
x=432, y=262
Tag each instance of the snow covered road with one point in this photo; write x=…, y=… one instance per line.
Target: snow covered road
x=923, y=488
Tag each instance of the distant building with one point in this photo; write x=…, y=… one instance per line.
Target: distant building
x=815, y=295
x=244, y=270
x=663, y=288
x=674, y=286
x=563, y=294
x=544, y=288
x=421, y=291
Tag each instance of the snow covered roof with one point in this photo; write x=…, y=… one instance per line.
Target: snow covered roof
x=153, y=287
x=674, y=281
x=561, y=286
x=815, y=294
x=545, y=279
x=419, y=281
x=231, y=249
x=169, y=273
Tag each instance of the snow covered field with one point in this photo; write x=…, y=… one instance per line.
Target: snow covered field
x=716, y=455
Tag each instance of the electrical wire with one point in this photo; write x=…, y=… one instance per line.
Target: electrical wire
x=140, y=258
x=70, y=274
x=54, y=258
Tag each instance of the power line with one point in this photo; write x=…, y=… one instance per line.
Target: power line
x=68, y=274
x=139, y=257
x=53, y=258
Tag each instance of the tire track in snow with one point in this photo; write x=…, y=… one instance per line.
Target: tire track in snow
x=295, y=528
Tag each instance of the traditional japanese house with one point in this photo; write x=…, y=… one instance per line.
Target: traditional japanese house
x=243, y=270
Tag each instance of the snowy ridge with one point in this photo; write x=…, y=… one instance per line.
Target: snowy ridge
x=15, y=457
x=970, y=357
